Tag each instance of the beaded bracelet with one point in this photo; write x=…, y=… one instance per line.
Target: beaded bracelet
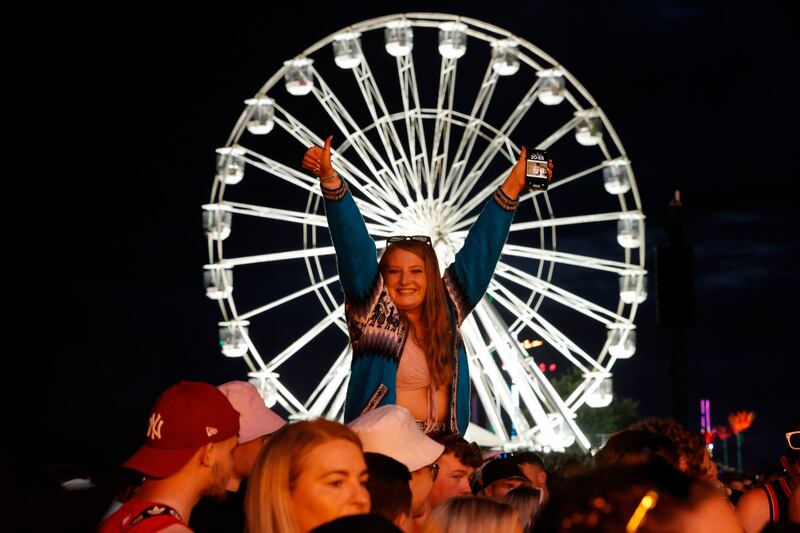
x=504, y=200
x=334, y=194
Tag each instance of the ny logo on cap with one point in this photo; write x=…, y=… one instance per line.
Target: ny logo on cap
x=154, y=431
x=211, y=431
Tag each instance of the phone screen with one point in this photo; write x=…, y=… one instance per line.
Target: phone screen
x=536, y=170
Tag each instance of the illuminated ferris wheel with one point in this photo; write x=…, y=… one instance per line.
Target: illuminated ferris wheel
x=423, y=157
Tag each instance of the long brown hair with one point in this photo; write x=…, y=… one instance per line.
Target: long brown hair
x=436, y=339
x=268, y=504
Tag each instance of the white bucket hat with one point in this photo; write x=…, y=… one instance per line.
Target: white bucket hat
x=392, y=431
x=255, y=418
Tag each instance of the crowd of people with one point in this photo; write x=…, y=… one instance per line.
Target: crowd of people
x=216, y=459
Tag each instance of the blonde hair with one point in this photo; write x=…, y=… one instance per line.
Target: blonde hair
x=524, y=500
x=268, y=504
x=468, y=514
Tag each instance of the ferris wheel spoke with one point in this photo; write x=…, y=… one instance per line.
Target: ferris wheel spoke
x=539, y=387
x=337, y=366
x=369, y=211
x=303, y=340
x=252, y=351
x=603, y=148
x=575, y=394
x=522, y=108
x=376, y=190
x=296, y=217
x=572, y=99
x=323, y=293
x=542, y=327
x=559, y=295
x=294, y=127
x=467, y=184
x=483, y=390
x=559, y=133
x=290, y=402
x=497, y=143
x=279, y=170
x=288, y=298
x=354, y=136
x=508, y=350
x=470, y=135
x=277, y=256
x=567, y=221
x=497, y=383
x=563, y=181
x=285, y=215
x=476, y=198
x=336, y=409
x=442, y=124
x=320, y=399
x=589, y=384
x=571, y=259
x=392, y=145
x=417, y=147
x=306, y=182
x=249, y=362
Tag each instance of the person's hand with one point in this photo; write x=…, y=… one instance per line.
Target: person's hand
x=517, y=177
x=318, y=160
x=515, y=182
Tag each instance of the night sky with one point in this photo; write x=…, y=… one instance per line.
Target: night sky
x=117, y=111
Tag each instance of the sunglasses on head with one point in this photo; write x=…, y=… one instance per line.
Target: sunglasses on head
x=793, y=438
x=400, y=238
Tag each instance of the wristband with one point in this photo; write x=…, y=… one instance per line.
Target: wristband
x=504, y=200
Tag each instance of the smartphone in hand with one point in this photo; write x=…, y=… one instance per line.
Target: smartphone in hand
x=536, y=170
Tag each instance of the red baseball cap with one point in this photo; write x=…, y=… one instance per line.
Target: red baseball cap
x=186, y=417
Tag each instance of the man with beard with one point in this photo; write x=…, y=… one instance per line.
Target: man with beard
x=188, y=454
x=256, y=423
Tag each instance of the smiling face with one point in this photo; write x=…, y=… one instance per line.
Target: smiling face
x=405, y=279
x=331, y=484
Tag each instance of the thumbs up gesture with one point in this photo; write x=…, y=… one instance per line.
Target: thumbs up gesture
x=318, y=160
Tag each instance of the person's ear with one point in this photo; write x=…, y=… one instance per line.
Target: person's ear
x=233, y=483
x=403, y=522
x=207, y=454
x=784, y=463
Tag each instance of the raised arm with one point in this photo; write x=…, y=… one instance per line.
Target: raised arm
x=356, y=255
x=469, y=275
